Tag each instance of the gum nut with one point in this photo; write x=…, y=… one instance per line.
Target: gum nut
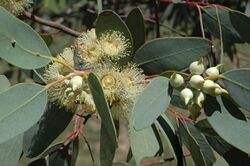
x=176, y=80
x=76, y=82
x=199, y=98
x=196, y=68
x=196, y=81
x=212, y=71
x=186, y=95
x=208, y=87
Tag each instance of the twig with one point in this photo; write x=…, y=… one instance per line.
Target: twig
x=156, y=6
x=52, y=24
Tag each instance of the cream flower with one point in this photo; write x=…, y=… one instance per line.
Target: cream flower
x=114, y=44
x=16, y=7
x=121, y=88
x=88, y=47
x=74, y=93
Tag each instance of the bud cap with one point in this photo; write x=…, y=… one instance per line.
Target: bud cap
x=186, y=95
x=176, y=80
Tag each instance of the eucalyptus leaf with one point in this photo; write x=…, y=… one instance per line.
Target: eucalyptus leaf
x=18, y=103
x=4, y=82
x=201, y=152
x=20, y=44
x=159, y=55
x=237, y=83
x=232, y=155
x=107, y=149
x=102, y=107
x=230, y=34
x=143, y=143
x=10, y=151
x=153, y=101
x=46, y=130
x=168, y=132
x=136, y=25
x=233, y=130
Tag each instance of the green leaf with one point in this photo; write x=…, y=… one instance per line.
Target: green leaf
x=136, y=25
x=4, y=82
x=153, y=101
x=221, y=162
x=228, y=126
x=20, y=44
x=107, y=149
x=168, y=132
x=163, y=54
x=143, y=143
x=11, y=150
x=59, y=157
x=201, y=152
x=237, y=83
x=46, y=130
x=232, y=155
x=18, y=103
x=241, y=23
x=109, y=20
x=102, y=107
x=230, y=34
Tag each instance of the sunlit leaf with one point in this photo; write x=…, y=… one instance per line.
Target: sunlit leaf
x=237, y=83
x=18, y=103
x=153, y=101
x=20, y=44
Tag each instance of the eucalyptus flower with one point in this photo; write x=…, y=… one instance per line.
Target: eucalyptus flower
x=114, y=44
x=73, y=93
x=121, y=87
x=16, y=7
x=88, y=48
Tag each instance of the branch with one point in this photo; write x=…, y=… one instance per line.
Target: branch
x=52, y=24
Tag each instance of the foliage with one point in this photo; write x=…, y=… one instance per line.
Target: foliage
x=173, y=94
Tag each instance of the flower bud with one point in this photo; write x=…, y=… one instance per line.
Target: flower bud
x=196, y=67
x=176, y=80
x=76, y=82
x=212, y=71
x=196, y=81
x=218, y=90
x=186, y=95
x=208, y=87
x=199, y=98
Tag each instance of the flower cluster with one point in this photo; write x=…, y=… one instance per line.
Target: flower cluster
x=194, y=89
x=111, y=45
x=16, y=7
x=121, y=85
